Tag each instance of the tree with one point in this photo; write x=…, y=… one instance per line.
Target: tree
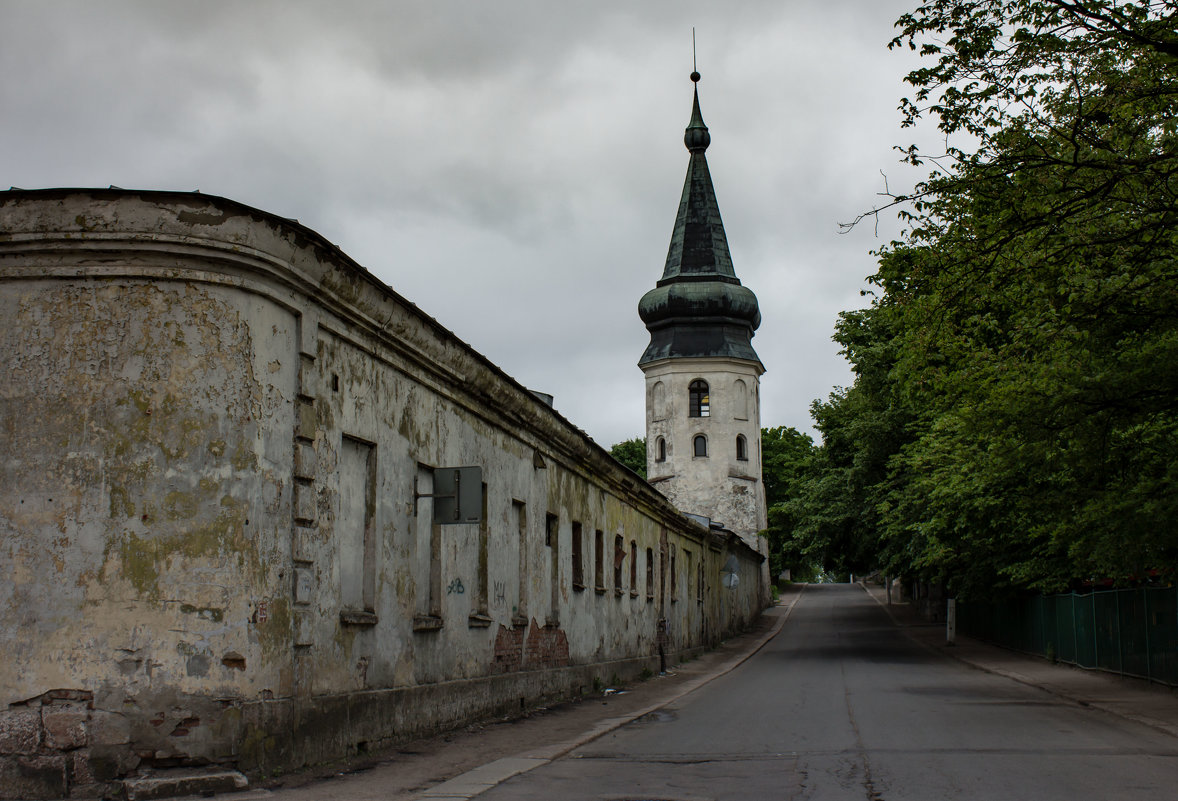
x=1031, y=310
x=784, y=451
x=786, y=456
x=632, y=454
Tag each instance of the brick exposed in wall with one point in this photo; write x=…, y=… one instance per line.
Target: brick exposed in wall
x=535, y=648
x=509, y=649
x=546, y=647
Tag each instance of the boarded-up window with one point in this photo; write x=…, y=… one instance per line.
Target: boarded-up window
x=650, y=574
x=519, y=519
x=633, y=567
x=552, y=540
x=578, y=559
x=599, y=561
x=619, y=559
x=355, y=531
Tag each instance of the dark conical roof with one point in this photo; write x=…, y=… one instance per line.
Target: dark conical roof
x=698, y=308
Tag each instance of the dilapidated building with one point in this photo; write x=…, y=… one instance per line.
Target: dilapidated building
x=217, y=537
x=258, y=510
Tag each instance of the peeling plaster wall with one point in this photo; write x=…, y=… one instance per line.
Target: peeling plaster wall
x=215, y=430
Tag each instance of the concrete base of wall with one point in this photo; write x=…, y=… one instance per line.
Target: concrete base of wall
x=264, y=738
x=279, y=736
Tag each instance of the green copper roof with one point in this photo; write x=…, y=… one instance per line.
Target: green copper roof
x=699, y=246
x=698, y=307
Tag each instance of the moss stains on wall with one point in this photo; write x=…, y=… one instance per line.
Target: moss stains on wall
x=133, y=411
x=175, y=521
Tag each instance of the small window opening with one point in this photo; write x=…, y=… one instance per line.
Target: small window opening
x=700, y=445
x=661, y=450
x=742, y=448
x=550, y=521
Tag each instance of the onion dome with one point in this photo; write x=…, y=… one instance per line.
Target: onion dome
x=699, y=308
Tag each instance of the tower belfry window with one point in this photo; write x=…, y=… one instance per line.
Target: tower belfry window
x=699, y=400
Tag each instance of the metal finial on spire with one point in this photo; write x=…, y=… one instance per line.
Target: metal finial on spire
x=694, y=66
x=696, y=137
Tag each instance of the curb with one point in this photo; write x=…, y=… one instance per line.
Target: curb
x=483, y=778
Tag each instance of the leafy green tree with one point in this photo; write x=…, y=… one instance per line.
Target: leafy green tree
x=1012, y=422
x=784, y=451
x=632, y=454
x=863, y=427
x=786, y=456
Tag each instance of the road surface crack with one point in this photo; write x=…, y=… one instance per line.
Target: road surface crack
x=868, y=781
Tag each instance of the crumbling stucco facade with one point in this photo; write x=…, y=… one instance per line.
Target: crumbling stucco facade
x=216, y=433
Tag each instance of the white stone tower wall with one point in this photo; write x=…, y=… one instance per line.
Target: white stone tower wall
x=719, y=486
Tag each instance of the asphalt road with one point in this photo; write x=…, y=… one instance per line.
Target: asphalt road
x=841, y=705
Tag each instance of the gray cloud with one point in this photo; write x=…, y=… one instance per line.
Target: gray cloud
x=511, y=167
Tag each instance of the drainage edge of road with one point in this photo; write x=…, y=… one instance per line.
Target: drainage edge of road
x=483, y=778
x=1144, y=720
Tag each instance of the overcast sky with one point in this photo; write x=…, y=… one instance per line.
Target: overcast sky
x=512, y=167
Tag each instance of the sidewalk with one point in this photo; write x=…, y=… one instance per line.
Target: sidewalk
x=1134, y=699
x=463, y=763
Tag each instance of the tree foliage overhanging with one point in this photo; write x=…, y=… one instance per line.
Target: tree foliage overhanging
x=632, y=454
x=1012, y=422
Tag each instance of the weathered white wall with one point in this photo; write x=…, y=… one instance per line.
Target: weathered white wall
x=719, y=486
x=213, y=428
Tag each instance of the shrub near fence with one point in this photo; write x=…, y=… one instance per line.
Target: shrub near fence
x=1130, y=632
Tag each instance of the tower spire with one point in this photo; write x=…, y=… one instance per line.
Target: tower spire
x=698, y=308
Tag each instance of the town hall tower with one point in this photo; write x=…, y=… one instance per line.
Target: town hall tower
x=703, y=428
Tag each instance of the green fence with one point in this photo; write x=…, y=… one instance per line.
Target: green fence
x=1131, y=632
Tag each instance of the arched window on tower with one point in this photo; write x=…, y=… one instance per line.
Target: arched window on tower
x=742, y=448
x=699, y=401
x=660, y=452
x=700, y=445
